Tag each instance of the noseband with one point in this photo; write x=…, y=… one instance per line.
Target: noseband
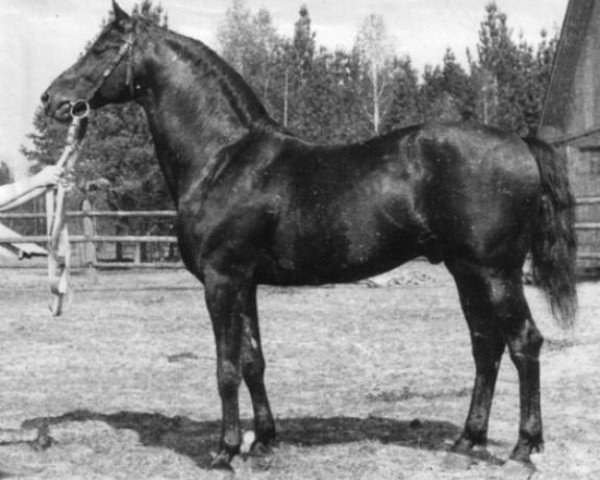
x=81, y=107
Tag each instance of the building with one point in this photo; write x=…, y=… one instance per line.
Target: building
x=571, y=118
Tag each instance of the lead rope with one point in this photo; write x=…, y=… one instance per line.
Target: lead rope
x=59, y=249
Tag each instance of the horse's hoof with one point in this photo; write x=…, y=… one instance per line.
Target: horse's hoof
x=43, y=440
x=260, y=449
x=41, y=444
x=522, y=452
x=462, y=445
x=519, y=469
x=260, y=456
x=222, y=461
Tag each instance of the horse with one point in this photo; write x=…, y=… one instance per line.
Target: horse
x=258, y=205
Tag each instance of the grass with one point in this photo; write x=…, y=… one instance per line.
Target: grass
x=364, y=382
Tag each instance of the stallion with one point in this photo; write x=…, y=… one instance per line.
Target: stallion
x=259, y=205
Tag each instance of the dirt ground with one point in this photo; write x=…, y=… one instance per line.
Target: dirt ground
x=366, y=382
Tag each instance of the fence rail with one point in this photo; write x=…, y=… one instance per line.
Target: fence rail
x=91, y=239
x=587, y=201
x=93, y=214
x=95, y=239
x=138, y=240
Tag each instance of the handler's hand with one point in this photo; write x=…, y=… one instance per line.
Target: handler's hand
x=48, y=176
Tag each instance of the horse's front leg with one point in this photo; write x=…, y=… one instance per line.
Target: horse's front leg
x=226, y=300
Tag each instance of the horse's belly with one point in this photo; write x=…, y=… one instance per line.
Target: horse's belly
x=336, y=255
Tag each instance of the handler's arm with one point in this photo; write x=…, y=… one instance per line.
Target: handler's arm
x=17, y=193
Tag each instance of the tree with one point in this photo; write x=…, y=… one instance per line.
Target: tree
x=447, y=92
x=48, y=140
x=303, y=43
x=539, y=71
x=511, y=78
x=235, y=36
x=331, y=110
x=375, y=54
x=250, y=44
x=404, y=106
x=5, y=173
x=300, y=79
x=118, y=167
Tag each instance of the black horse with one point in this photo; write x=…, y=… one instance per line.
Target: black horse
x=258, y=205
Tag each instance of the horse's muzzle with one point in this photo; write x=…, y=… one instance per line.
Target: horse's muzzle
x=56, y=107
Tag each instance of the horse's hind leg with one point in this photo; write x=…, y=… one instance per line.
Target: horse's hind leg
x=487, y=345
x=524, y=343
x=497, y=312
x=253, y=371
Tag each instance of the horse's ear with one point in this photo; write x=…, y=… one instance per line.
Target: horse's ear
x=120, y=14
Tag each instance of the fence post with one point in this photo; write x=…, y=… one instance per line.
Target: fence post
x=88, y=252
x=137, y=254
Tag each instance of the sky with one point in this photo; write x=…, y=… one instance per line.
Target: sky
x=41, y=38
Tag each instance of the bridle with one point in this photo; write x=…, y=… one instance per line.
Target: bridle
x=58, y=235
x=125, y=50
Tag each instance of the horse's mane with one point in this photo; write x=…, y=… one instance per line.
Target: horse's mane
x=238, y=93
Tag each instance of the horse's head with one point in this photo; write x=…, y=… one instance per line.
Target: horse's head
x=104, y=74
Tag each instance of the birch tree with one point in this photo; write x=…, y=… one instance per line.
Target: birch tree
x=376, y=57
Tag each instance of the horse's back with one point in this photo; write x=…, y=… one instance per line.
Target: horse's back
x=435, y=190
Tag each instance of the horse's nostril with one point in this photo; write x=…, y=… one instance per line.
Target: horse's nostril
x=45, y=97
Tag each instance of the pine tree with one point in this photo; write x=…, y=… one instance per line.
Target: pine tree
x=299, y=78
x=303, y=42
x=405, y=106
x=511, y=77
x=5, y=173
x=447, y=92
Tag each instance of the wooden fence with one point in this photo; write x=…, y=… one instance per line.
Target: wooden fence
x=90, y=238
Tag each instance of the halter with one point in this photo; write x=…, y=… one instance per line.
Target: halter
x=58, y=235
x=126, y=48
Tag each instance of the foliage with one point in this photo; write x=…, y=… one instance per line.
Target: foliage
x=405, y=103
x=377, y=75
x=118, y=169
x=447, y=92
x=511, y=78
x=349, y=95
x=251, y=45
x=5, y=173
x=317, y=93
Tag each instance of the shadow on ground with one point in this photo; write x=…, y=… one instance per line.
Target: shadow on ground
x=198, y=439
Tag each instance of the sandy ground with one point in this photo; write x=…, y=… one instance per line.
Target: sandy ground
x=369, y=383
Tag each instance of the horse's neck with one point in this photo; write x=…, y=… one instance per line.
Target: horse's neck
x=192, y=111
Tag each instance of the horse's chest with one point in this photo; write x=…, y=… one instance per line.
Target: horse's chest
x=230, y=236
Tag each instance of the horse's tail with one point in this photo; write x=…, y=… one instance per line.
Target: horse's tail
x=554, y=244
